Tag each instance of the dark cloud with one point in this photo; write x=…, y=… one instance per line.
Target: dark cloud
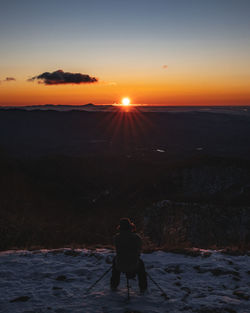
x=9, y=79
x=61, y=77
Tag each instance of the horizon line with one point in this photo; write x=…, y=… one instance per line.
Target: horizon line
x=131, y=105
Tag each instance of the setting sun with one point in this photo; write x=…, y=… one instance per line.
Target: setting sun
x=126, y=101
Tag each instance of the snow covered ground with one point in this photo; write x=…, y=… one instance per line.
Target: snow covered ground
x=57, y=280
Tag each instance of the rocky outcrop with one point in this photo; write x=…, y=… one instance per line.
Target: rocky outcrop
x=177, y=224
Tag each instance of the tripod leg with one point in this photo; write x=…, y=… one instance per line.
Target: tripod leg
x=92, y=286
x=128, y=288
x=159, y=287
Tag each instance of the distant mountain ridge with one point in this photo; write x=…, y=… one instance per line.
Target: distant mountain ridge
x=232, y=110
x=59, y=107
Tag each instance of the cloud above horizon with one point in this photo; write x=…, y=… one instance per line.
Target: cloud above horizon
x=9, y=79
x=165, y=66
x=60, y=77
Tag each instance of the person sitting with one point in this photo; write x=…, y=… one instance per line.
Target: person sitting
x=128, y=245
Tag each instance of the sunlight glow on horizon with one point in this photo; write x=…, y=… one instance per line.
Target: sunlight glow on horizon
x=126, y=101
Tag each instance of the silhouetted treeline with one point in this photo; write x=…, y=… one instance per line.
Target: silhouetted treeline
x=67, y=177
x=78, y=133
x=56, y=201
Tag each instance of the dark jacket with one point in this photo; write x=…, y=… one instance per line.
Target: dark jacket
x=128, y=249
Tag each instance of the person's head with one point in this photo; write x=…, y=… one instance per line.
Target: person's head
x=126, y=225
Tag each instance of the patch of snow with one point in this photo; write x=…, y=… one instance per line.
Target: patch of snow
x=46, y=281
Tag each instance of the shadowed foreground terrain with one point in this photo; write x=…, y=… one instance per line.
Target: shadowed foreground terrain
x=57, y=281
x=67, y=178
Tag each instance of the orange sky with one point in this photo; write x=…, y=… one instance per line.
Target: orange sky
x=170, y=92
x=155, y=52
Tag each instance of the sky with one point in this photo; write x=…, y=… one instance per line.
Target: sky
x=163, y=52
